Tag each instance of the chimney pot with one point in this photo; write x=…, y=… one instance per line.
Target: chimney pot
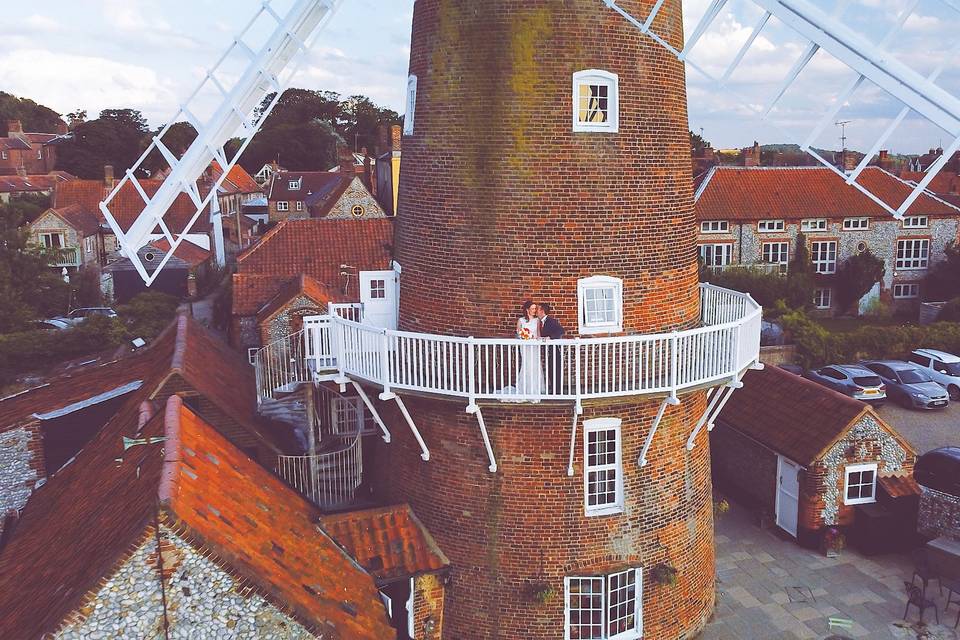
x=396, y=136
x=14, y=126
x=108, y=180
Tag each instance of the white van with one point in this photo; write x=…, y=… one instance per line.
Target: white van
x=942, y=367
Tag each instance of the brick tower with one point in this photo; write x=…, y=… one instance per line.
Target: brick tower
x=549, y=152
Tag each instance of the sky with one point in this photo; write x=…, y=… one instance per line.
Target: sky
x=151, y=54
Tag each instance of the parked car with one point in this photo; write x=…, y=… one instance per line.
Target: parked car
x=940, y=470
x=851, y=380
x=53, y=324
x=87, y=312
x=792, y=368
x=909, y=385
x=943, y=367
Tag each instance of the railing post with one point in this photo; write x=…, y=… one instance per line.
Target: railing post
x=472, y=373
x=385, y=361
x=578, y=386
x=674, y=365
x=339, y=350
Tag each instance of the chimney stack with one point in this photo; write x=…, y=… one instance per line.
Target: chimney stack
x=14, y=126
x=751, y=157
x=849, y=160
x=108, y=180
x=22, y=172
x=348, y=165
x=62, y=128
x=396, y=135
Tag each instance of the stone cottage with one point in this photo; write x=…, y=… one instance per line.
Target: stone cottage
x=71, y=235
x=803, y=454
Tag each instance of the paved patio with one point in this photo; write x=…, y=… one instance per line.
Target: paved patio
x=768, y=588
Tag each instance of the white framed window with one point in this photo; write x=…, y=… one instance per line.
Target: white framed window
x=823, y=255
x=596, y=101
x=812, y=225
x=769, y=226
x=411, y=104
x=283, y=205
x=856, y=224
x=252, y=355
x=52, y=240
x=378, y=289
x=776, y=252
x=294, y=185
x=39, y=154
x=906, y=291
x=716, y=255
x=4, y=155
x=860, y=484
x=915, y=222
x=714, y=226
x=606, y=607
x=913, y=253
x=601, y=304
x=823, y=298
x=299, y=205
x=602, y=467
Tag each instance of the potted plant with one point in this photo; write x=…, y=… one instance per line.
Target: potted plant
x=663, y=574
x=540, y=592
x=720, y=507
x=833, y=542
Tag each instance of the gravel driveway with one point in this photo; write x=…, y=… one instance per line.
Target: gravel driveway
x=925, y=430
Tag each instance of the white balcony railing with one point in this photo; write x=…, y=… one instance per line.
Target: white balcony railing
x=64, y=257
x=512, y=370
x=329, y=480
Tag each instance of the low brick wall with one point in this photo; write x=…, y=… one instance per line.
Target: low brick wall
x=780, y=354
x=939, y=514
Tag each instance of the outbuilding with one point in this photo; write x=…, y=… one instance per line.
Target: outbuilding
x=803, y=454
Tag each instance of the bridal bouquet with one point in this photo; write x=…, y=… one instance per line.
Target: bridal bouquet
x=525, y=334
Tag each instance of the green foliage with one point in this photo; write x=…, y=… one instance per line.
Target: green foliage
x=664, y=574
x=32, y=351
x=856, y=277
x=146, y=315
x=943, y=282
x=816, y=346
x=34, y=117
x=28, y=206
x=86, y=289
x=116, y=138
x=178, y=139
x=766, y=288
x=951, y=312
x=308, y=146
x=29, y=289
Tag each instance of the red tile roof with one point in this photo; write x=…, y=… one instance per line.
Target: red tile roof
x=302, y=286
x=80, y=527
x=33, y=183
x=945, y=182
x=238, y=180
x=128, y=204
x=792, y=415
x=792, y=193
x=389, y=542
x=186, y=251
x=899, y=485
x=314, y=247
x=80, y=219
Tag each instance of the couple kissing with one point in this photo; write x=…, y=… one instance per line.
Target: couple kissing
x=536, y=322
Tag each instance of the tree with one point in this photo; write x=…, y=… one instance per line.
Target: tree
x=29, y=288
x=943, y=282
x=178, y=139
x=300, y=147
x=33, y=116
x=856, y=277
x=697, y=142
x=302, y=106
x=116, y=138
x=362, y=120
x=800, y=276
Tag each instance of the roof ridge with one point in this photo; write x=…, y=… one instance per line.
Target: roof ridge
x=173, y=453
x=180, y=347
x=269, y=234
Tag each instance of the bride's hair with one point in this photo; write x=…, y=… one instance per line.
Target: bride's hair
x=525, y=309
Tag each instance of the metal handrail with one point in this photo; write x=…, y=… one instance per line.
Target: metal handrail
x=511, y=370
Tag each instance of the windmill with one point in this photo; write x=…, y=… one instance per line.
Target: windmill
x=270, y=65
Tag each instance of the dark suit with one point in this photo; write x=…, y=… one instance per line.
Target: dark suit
x=551, y=328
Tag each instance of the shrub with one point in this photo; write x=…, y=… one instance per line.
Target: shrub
x=856, y=277
x=147, y=314
x=951, y=312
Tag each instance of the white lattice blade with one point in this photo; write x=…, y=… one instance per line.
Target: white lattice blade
x=259, y=80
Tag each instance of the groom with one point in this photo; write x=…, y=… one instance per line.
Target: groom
x=551, y=329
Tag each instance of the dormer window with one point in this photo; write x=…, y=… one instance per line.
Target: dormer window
x=411, y=105
x=596, y=101
x=294, y=185
x=601, y=304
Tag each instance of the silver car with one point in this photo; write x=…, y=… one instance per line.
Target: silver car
x=909, y=385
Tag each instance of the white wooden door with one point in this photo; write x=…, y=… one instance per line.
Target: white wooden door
x=378, y=293
x=788, y=495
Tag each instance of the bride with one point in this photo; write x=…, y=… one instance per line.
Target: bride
x=530, y=375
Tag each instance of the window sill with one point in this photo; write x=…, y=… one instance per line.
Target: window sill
x=589, y=331
x=584, y=129
x=605, y=511
x=852, y=503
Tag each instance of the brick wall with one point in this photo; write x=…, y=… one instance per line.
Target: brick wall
x=939, y=514
x=526, y=523
x=428, y=600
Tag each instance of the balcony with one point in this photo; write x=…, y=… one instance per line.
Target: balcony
x=64, y=257
x=511, y=370
x=758, y=267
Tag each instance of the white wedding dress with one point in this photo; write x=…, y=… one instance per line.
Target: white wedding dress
x=530, y=380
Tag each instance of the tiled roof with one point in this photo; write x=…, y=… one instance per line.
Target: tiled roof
x=78, y=528
x=389, y=542
x=302, y=286
x=80, y=219
x=186, y=251
x=314, y=247
x=23, y=184
x=789, y=414
x=792, y=193
x=312, y=183
x=899, y=485
x=85, y=383
x=128, y=204
x=238, y=180
x=945, y=182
